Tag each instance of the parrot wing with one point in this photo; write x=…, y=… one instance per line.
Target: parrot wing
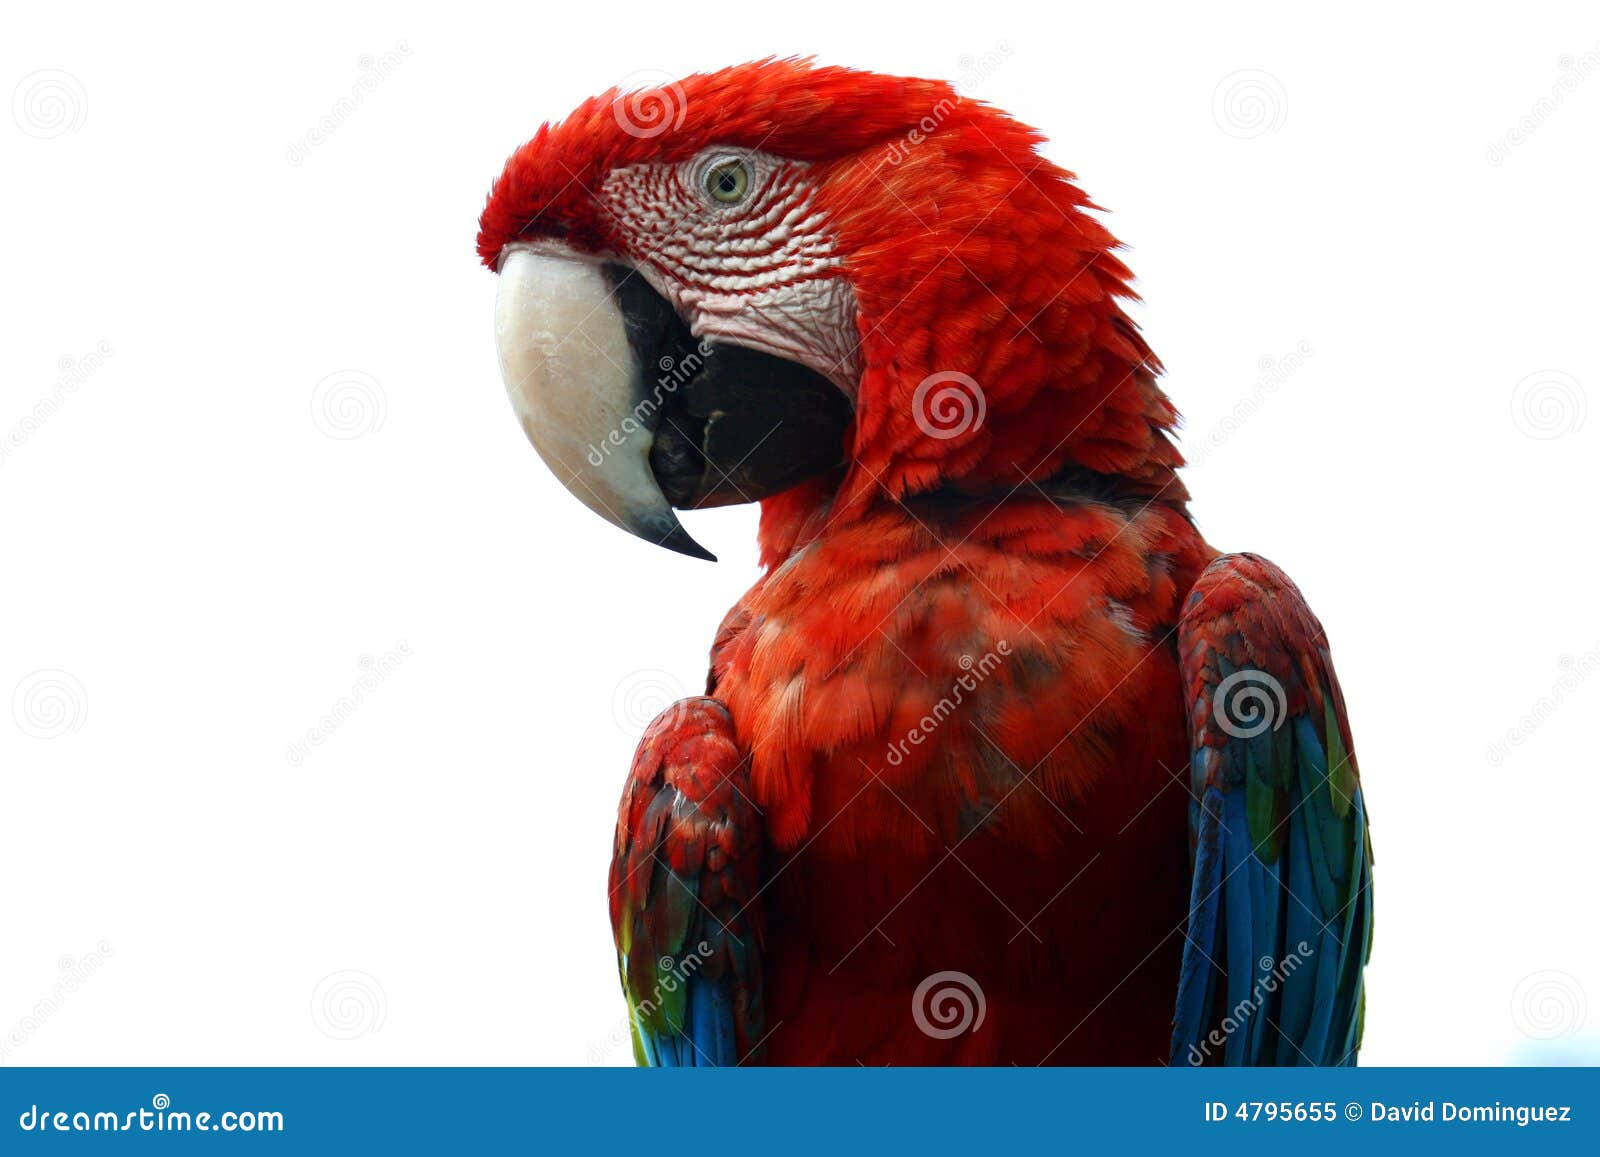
x=1280, y=916
x=685, y=875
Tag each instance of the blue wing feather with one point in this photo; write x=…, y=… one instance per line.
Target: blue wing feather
x=1280, y=922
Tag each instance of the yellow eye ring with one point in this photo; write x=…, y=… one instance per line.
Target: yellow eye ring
x=727, y=182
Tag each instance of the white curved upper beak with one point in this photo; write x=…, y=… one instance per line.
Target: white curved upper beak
x=578, y=389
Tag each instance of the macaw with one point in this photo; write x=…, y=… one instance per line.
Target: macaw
x=998, y=760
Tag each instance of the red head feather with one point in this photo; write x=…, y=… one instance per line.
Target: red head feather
x=973, y=260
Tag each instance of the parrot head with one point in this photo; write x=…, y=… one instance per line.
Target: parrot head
x=780, y=279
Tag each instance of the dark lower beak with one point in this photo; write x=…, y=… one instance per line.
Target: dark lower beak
x=732, y=424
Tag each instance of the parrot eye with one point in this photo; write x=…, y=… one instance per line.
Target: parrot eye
x=727, y=182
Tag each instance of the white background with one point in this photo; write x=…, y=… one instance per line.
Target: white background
x=195, y=561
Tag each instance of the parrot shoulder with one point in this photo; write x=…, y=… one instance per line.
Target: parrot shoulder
x=684, y=887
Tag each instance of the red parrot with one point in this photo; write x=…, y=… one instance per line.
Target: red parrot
x=998, y=761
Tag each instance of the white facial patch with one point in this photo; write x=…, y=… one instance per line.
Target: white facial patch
x=761, y=272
